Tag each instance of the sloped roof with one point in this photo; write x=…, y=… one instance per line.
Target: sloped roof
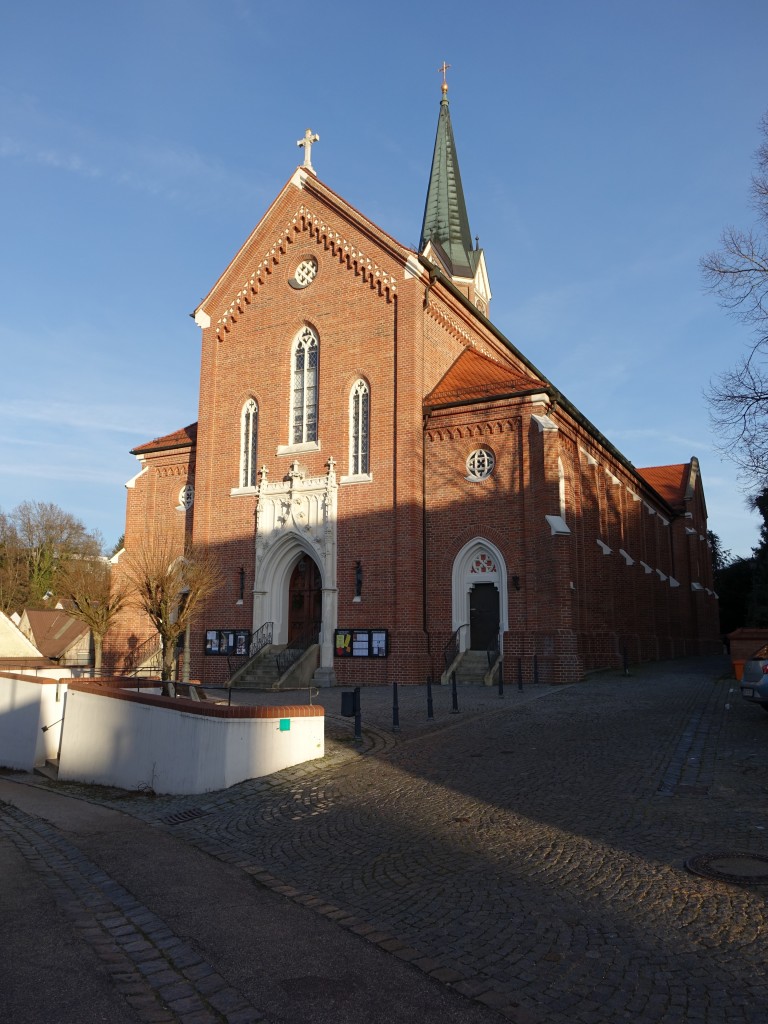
x=54, y=631
x=13, y=643
x=183, y=438
x=671, y=482
x=474, y=377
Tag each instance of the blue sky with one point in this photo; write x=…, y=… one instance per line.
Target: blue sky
x=603, y=148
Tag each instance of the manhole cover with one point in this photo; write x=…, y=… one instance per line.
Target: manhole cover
x=741, y=868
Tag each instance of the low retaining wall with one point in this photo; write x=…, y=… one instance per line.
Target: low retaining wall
x=137, y=741
x=31, y=710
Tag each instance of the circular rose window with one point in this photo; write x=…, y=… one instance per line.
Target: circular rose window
x=305, y=273
x=480, y=464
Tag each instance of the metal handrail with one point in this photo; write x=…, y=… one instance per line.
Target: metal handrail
x=291, y=654
x=260, y=638
x=142, y=653
x=451, y=649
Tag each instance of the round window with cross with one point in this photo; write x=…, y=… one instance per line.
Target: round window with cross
x=480, y=464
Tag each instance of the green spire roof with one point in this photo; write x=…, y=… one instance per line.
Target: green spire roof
x=446, y=224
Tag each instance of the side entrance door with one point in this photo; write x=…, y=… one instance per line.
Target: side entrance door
x=483, y=617
x=305, y=600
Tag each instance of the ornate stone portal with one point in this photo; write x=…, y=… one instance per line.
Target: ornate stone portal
x=296, y=516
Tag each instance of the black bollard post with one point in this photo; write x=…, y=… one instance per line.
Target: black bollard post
x=626, y=661
x=430, y=706
x=395, y=708
x=535, y=668
x=501, y=678
x=520, y=674
x=358, y=717
x=454, y=695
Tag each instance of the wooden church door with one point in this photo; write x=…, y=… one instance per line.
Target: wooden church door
x=305, y=600
x=483, y=617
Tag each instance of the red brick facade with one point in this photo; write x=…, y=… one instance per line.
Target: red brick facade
x=587, y=557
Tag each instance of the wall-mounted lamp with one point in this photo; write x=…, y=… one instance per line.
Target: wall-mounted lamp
x=516, y=582
x=242, y=585
x=358, y=580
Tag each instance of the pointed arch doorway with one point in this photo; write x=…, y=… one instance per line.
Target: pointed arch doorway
x=479, y=595
x=305, y=600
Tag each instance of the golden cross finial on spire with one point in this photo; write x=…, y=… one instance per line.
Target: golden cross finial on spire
x=442, y=71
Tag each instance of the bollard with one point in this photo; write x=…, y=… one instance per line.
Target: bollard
x=430, y=706
x=501, y=678
x=395, y=708
x=454, y=695
x=520, y=674
x=626, y=662
x=358, y=717
x=535, y=668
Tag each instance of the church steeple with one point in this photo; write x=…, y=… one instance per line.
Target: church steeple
x=445, y=235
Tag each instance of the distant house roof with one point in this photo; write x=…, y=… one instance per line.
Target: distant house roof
x=13, y=643
x=184, y=438
x=54, y=631
x=475, y=378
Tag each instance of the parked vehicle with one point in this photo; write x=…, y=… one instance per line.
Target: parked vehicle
x=754, y=681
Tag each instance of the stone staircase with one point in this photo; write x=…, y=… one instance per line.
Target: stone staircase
x=472, y=668
x=50, y=770
x=262, y=673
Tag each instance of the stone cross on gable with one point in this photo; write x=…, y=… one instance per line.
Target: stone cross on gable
x=306, y=144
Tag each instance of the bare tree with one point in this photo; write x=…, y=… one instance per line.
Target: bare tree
x=91, y=596
x=738, y=274
x=36, y=539
x=170, y=588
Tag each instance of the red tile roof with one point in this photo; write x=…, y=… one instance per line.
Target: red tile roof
x=183, y=438
x=474, y=377
x=671, y=482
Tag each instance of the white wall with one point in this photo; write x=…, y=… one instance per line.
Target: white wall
x=26, y=705
x=135, y=744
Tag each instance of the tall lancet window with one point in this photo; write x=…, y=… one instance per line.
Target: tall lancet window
x=249, y=425
x=304, y=392
x=561, y=487
x=359, y=416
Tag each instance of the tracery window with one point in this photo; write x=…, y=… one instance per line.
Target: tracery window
x=480, y=464
x=359, y=422
x=304, y=392
x=249, y=422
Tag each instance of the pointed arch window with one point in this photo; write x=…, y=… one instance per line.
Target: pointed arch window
x=306, y=353
x=359, y=433
x=249, y=424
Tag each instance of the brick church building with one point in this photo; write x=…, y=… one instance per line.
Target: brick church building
x=382, y=474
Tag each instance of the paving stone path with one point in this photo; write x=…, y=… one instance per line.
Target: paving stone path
x=162, y=978
x=529, y=852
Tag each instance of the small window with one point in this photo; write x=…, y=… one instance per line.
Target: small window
x=359, y=415
x=249, y=431
x=480, y=464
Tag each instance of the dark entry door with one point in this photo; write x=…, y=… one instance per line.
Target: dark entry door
x=483, y=617
x=305, y=600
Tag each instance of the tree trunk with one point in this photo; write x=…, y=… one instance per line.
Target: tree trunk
x=168, y=659
x=97, y=645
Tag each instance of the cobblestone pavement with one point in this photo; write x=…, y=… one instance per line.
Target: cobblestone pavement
x=529, y=851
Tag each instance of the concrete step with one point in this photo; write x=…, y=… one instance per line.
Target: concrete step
x=50, y=770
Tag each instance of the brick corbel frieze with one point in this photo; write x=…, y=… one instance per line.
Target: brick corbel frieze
x=348, y=254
